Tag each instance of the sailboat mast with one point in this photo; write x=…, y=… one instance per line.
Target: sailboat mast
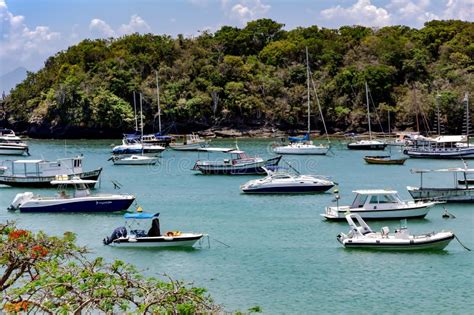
x=437, y=114
x=158, y=97
x=468, y=119
x=309, y=99
x=135, y=111
x=368, y=109
x=141, y=118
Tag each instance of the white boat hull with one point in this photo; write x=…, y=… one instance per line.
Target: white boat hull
x=187, y=147
x=412, y=210
x=183, y=240
x=135, y=160
x=10, y=150
x=302, y=149
x=436, y=241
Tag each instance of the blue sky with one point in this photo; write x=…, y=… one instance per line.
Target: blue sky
x=32, y=30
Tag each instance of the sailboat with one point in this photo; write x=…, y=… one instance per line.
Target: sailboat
x=367, y=144
x=304, y=145
x=136, y=159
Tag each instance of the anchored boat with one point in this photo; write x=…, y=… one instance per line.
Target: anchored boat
x=378, y=204
x=384, y=160
x=287, y=182
x=40, y=173
x=461, y=191
x=80, y=201
x=139, y=232
x=11, y=144
x=362, y=236
x=191, y=142
x=134, y=160
x=239, y=163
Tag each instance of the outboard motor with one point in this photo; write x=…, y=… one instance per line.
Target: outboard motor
x=117, y=233
x=20, y=199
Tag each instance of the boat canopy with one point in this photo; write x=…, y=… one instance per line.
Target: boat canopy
x=375, y=192
x=298, y=139
x=443, y=170
x=140, y=215
x=28, y=161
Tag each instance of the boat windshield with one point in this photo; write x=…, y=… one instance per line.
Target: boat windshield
x=387, y=199
x=359, y=201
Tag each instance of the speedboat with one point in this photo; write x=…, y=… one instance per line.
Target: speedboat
x=81, y=201
x=40, y=173
x=239, y=163
x=367, y=145
x=134, y=160
x=138, y=232
x=11, y=144
x=191, y=142
x=362, y=236
x=378, y=204
x=286, y=182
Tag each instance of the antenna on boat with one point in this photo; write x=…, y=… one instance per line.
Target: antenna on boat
x=290, y=166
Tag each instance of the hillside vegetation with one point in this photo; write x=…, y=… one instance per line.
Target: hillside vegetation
x=252, y=77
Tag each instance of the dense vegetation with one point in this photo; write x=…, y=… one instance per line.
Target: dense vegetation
x=52, y=275
x=253, y=77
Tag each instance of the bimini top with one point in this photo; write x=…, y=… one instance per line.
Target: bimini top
x=375, y=192
x=140, y=215
x=444, y=170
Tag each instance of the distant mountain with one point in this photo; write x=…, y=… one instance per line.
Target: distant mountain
x=9, y=80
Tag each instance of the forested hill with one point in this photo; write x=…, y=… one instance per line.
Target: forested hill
x=251, y=77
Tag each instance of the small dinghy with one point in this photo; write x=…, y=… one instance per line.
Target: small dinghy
x=362, y=236
x=134, y=160
x=384, y=160
x=139, y=232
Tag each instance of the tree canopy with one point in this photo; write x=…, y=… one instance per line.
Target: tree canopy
x=251, y=76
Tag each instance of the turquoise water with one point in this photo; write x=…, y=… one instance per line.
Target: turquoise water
x=282, y=255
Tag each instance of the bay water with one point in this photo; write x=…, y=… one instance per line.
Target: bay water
x=280, y=255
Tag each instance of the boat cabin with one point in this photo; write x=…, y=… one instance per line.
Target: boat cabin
x=81, y=186
x=371, y=199
x=42, y=168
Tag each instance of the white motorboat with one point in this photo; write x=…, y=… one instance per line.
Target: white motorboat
x=362, y=236
x=138, y=232
x=80, y=201
x=367, y=144
x=461, y=191
x=191, y=142
x=128, y=148
x=11, y=144
x=378, y=204
x=134, y=160
x=286, y=182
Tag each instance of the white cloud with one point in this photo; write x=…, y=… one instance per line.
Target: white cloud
x=411, y=12
x=459, y=9
x=21, y=45
x=136, y=25
x=244, y=10
x=363, y=12
x=101, y=28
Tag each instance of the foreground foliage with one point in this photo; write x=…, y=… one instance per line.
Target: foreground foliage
x=254, y=76
x=40, y=273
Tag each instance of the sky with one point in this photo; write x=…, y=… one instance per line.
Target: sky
x=33, y=30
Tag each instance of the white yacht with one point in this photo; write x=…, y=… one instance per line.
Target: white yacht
x=363, y=237
x=11, y=144
x=286, y=182
x=378, y=204
x=134, y=160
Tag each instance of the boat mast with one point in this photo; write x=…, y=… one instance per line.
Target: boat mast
x=141, y=119
x=309, y=99
x=368, y=109
x=437, y=114
x=135, y=111
x=468, y=119
x=158, y=97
